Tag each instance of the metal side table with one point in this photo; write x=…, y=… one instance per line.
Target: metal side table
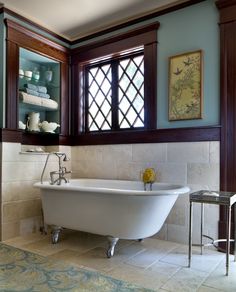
x=227, y=199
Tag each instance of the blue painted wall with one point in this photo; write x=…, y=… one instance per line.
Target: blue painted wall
x=189, y=29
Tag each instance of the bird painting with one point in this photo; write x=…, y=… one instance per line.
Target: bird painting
x=188, y=62
x=178, y=71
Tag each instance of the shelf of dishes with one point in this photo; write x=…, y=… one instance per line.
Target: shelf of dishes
x=33, y=124
x=35, y=75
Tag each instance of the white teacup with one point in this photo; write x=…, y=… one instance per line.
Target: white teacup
x=28, y=74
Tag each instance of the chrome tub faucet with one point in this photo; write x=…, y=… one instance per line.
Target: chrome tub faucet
x=56, y=177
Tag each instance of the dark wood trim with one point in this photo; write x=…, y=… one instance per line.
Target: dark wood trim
x=30, y=40
x=10, y=135
x=227, y=103
x=34, y=24
x=45, y=139
x=136, y=20
x=29, y=138
x=12, y=64
x=225, y=3
x=153, y=136
x=150, y=85
x=227, y=10
x=211, y=133
x=65, y=100
x=76, y=103
x=145, y=34
x=65, y=140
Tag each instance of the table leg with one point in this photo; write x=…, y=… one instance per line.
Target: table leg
x=190, y=235
x=202, y=220
x=228, y=238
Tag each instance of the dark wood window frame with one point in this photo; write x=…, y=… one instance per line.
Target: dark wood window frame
x=145, y=37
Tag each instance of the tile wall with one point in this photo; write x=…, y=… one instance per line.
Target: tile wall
x=195, y=164
x=21, y=204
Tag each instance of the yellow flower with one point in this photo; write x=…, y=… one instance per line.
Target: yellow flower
x=149, y=175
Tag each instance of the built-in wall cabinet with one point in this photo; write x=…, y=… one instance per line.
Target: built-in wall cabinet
x=37, y=102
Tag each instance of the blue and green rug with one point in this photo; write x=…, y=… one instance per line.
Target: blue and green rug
x=27, y=272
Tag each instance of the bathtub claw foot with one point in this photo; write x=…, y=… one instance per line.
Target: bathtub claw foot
x=55, y=234
x=111, y=247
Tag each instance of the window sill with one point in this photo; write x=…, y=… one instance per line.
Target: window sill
x=194, y=134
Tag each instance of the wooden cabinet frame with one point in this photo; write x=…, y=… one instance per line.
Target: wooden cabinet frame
x=18, y=36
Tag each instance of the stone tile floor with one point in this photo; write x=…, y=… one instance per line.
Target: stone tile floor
x=154, y=264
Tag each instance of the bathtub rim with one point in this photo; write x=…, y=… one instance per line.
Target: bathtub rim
x=177, y=189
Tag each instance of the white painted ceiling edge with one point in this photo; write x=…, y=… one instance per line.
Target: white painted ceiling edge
x=73, y=19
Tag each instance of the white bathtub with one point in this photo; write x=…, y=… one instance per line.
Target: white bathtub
x=115, y=208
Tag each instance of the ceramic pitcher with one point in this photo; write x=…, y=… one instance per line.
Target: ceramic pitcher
x=33, y=122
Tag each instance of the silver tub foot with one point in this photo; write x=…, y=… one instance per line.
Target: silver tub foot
x=55, y=234
x=111, y=246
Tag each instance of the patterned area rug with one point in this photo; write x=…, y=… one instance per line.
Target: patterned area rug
x=24, y=271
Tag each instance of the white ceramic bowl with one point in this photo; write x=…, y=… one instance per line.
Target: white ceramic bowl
x=48, y=127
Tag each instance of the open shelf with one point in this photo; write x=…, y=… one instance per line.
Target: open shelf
x=39, y=88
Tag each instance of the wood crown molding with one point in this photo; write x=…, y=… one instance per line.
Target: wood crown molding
x=34, y=24
x=29, y=39
x=121, y=36
x=225, y=3
x=227, y=10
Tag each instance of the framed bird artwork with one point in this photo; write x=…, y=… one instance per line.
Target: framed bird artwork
x=185, y=86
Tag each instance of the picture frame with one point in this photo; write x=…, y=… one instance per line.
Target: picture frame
x=185, y=86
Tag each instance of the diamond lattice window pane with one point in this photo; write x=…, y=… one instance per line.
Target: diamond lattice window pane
x=138, y=103
x=131, y=92
x=99, y=98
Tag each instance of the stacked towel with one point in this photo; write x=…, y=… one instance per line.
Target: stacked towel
x=36, y=90
x=36, y=100
x=42, y=89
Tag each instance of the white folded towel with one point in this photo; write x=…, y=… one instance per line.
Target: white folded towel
x=28, y=98
x=36, y=100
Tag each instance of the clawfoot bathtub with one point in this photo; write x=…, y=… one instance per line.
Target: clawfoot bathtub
x=114, y=208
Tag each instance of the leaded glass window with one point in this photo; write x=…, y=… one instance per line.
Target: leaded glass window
x=114, y=94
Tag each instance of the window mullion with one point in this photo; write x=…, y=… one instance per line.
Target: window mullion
x=115, y=102
x=86, y=101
